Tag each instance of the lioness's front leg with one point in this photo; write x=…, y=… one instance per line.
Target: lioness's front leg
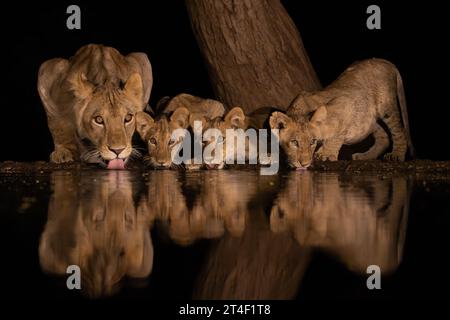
x=64, y=139
x=329, y=150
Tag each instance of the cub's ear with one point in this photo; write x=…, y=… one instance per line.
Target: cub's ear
x=319, y=116
x=236, y=118
x=181, y=117
x=80, y=86
x=143, y=124
x=133, y=89
x=279, y=120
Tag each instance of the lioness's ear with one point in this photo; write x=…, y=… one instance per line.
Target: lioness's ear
x=140, y=264
x=278, y=120
x=181, y=117
x=133, y=89
x=81, y=86
x=236, y=118
x=319, y=116
x=143, y=123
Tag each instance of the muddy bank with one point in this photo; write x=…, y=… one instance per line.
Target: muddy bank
x=422, y=168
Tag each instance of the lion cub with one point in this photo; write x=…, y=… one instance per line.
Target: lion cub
x=178, y=112
x=346, y=112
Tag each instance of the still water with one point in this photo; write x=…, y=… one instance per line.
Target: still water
x=223, y=234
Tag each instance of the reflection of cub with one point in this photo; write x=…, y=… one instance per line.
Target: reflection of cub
x=223, y=201
x=93, y=223
x=362, y=220
x=221, y=204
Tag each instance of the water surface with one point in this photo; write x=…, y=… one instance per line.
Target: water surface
x=223, y=234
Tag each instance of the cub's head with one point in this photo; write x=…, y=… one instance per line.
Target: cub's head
x=298, y=138
x=160, y=135
x=106, y=118
x=215, y=140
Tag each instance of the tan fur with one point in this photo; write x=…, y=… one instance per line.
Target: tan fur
x=221, y=204
x=93, y=223
x=96, y=82
x=159, y=135
x=178, y=112
x=199, y=108
x=361, y=221
x=346, y=112
x=234, y=119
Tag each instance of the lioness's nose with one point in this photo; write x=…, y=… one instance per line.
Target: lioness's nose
x=117, y=151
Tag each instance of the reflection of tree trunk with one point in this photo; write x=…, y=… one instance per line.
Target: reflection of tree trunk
x=253, y=51
x=258, y=265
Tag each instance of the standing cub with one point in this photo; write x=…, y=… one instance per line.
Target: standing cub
x=346, y=112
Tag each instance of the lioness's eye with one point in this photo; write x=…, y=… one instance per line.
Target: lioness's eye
x=171, y=142
x=153, y=141
x=313, y=141
x=98, y=120
x=128, y=118
x=294, y=142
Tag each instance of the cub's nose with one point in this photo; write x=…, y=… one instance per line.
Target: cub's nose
x=117, y=151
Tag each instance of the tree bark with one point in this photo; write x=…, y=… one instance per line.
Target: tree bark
x=253, y=51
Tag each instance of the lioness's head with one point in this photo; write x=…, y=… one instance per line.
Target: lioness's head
x=106, y=118
x=234, y=119
x=298, y=138
x=162, y=136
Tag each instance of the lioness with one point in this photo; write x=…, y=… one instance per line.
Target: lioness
x=346, y=112
x=91, y=100
x=174, y=113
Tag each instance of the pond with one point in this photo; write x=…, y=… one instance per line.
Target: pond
x=230, y=234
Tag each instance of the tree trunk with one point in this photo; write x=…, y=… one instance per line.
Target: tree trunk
x=253, y=51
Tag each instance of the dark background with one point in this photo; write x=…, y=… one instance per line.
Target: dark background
x=334, y=34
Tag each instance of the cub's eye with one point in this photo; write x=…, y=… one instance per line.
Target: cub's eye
x=128, y=118
x=294, y=143
x=313, y=141
x=171, y=142
x=153, y=141
x=98, y=120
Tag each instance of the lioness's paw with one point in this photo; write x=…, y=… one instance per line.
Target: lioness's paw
x=61, y=155
x=394, y=157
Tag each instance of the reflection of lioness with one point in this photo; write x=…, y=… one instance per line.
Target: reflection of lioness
x=91, y=101
x=347, y=111
x=96, y=226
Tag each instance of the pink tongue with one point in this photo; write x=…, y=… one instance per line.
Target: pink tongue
x=117, y=164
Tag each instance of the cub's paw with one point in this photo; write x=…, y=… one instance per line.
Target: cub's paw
x=325, y=157
x=61, y=155
x=265, y=160
x=193, y=166
x=394, y=157
x=362, y=156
